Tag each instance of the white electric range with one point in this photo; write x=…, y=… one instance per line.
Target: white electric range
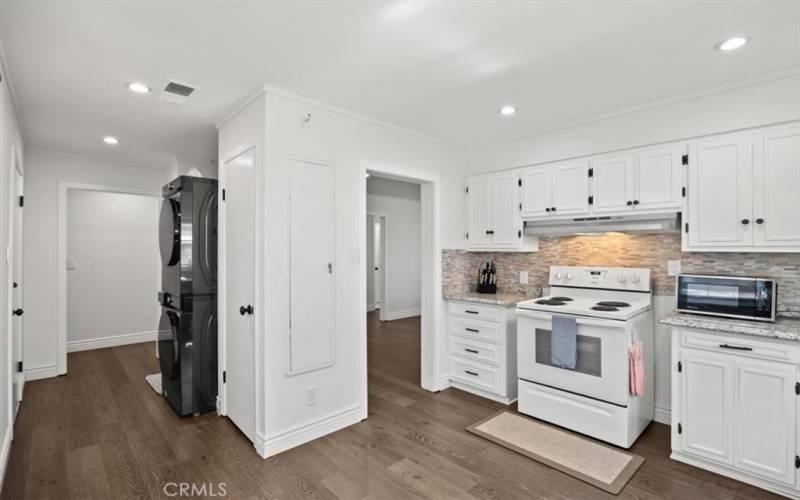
x=613, y=308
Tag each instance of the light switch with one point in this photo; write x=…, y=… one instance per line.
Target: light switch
x=523, y=277
x=673, y=267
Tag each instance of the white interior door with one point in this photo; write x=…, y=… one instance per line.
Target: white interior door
x=371, y=265
x=18, y=380
x=378, y=268
x=239, y=285
x=311, y=265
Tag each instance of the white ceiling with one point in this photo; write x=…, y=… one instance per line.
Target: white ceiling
x=439, y=68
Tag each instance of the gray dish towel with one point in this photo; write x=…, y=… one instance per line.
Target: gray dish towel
x=563, y=343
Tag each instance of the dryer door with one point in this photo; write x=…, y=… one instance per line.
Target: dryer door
x=169, y=355
x=169, y=232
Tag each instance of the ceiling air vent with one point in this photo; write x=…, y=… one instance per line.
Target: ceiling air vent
x=176, y=93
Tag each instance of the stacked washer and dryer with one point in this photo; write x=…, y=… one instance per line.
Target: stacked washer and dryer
x=187, y=340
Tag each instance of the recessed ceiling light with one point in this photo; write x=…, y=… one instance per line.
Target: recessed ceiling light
x=138, y=88
x=732, y=43
x=111, y=140
x=507, y=110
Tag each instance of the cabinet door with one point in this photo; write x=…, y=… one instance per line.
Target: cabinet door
x=613, y=184
x=504, y=218
x=478, y=211
x=776, y=184
x=764, y=419
x=706, y=418
x=659, y=178
x=571, y=188
x=720, y=196
x=536, y=191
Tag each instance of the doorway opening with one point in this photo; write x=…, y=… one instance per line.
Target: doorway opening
x=109, y=268
x=401, y=299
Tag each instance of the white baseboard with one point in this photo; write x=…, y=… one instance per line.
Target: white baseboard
x=370, y=307
x=41, y=372
x=112, y=341
x=663, y=416
x=407, y=313
x=267, y=446
x=5, y=451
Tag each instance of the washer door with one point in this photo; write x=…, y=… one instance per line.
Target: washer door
x=169, y=232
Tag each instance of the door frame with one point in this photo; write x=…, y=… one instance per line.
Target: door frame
x=382, y=262
x=432, y=304
x=17, y=168
x=63, y=193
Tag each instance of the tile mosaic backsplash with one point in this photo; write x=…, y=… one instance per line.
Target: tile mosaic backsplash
x=624, y=250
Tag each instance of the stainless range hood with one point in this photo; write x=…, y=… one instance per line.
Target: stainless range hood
x=652, y=223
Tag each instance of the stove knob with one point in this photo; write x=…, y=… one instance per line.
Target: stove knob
x=634, y=278
x=569, y=276
x=559, y=276
x=622, y=279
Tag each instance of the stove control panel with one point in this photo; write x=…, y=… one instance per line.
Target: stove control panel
x=609, y=278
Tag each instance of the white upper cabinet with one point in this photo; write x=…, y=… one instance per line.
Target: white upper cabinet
x=493, y=213
x=560, y=189
x=776, y=185
x=658, y=179
x=613, y=183
x=571, y=188
x=720, y=193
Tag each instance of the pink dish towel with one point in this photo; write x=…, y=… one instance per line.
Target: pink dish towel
x=636, y=369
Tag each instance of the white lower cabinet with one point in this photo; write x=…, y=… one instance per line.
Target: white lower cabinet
x=482, y=349
x=735, y=407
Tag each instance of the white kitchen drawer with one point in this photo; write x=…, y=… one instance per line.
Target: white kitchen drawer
x=741, y=345
x=476, y=374
x=477, y=330
x=486, y=353
x=475, y=311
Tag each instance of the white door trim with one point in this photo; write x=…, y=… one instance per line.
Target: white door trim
x=431, y=271
x=63, y=192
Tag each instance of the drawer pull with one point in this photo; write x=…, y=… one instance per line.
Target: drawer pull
x=470, y=373
x=473, y=330
x=473, y=351
x=471, y=312
x=736, y=347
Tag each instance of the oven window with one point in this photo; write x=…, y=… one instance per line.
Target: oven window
x=589, y=360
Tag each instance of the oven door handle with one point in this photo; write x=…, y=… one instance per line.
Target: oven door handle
x=581, y=321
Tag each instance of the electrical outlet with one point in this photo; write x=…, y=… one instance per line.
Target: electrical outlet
x=311, y=395
x=523, y=277
x=673, y=267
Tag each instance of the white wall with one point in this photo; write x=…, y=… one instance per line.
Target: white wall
x=115, y=268
x=44, y=171
x=346, y=142
x=400, y=202
x=10, y=139
x=746, y=107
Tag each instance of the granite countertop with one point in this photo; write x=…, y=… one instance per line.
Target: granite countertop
x=496, y=299
x=783, y=328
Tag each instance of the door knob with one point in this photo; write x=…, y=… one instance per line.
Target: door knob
x=246, y=310
x=18, y=312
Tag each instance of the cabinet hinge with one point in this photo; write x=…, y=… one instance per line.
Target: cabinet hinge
x=680, y=429
x=467, y=235
x=686, y=228
x=520, y=206
x=519, y=233
x=685, y=159
x=683, y=191
x=519, y=182
x=223, y=194
x=22, y=201
x=591, y=172
x=680, y=367
x=467, y=189
x=797, y=388
x=591, y=200
x=19, y=366
x=796, y=462
x=224, y=376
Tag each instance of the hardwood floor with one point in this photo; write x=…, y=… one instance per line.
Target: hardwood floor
x=101, y=432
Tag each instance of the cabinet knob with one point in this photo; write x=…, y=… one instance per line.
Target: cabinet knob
x=553, y=209
x=546, y=209
x=630, y=203
x=759, y=221
x=635, y=202
x=745, y=221
x=489, y=231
